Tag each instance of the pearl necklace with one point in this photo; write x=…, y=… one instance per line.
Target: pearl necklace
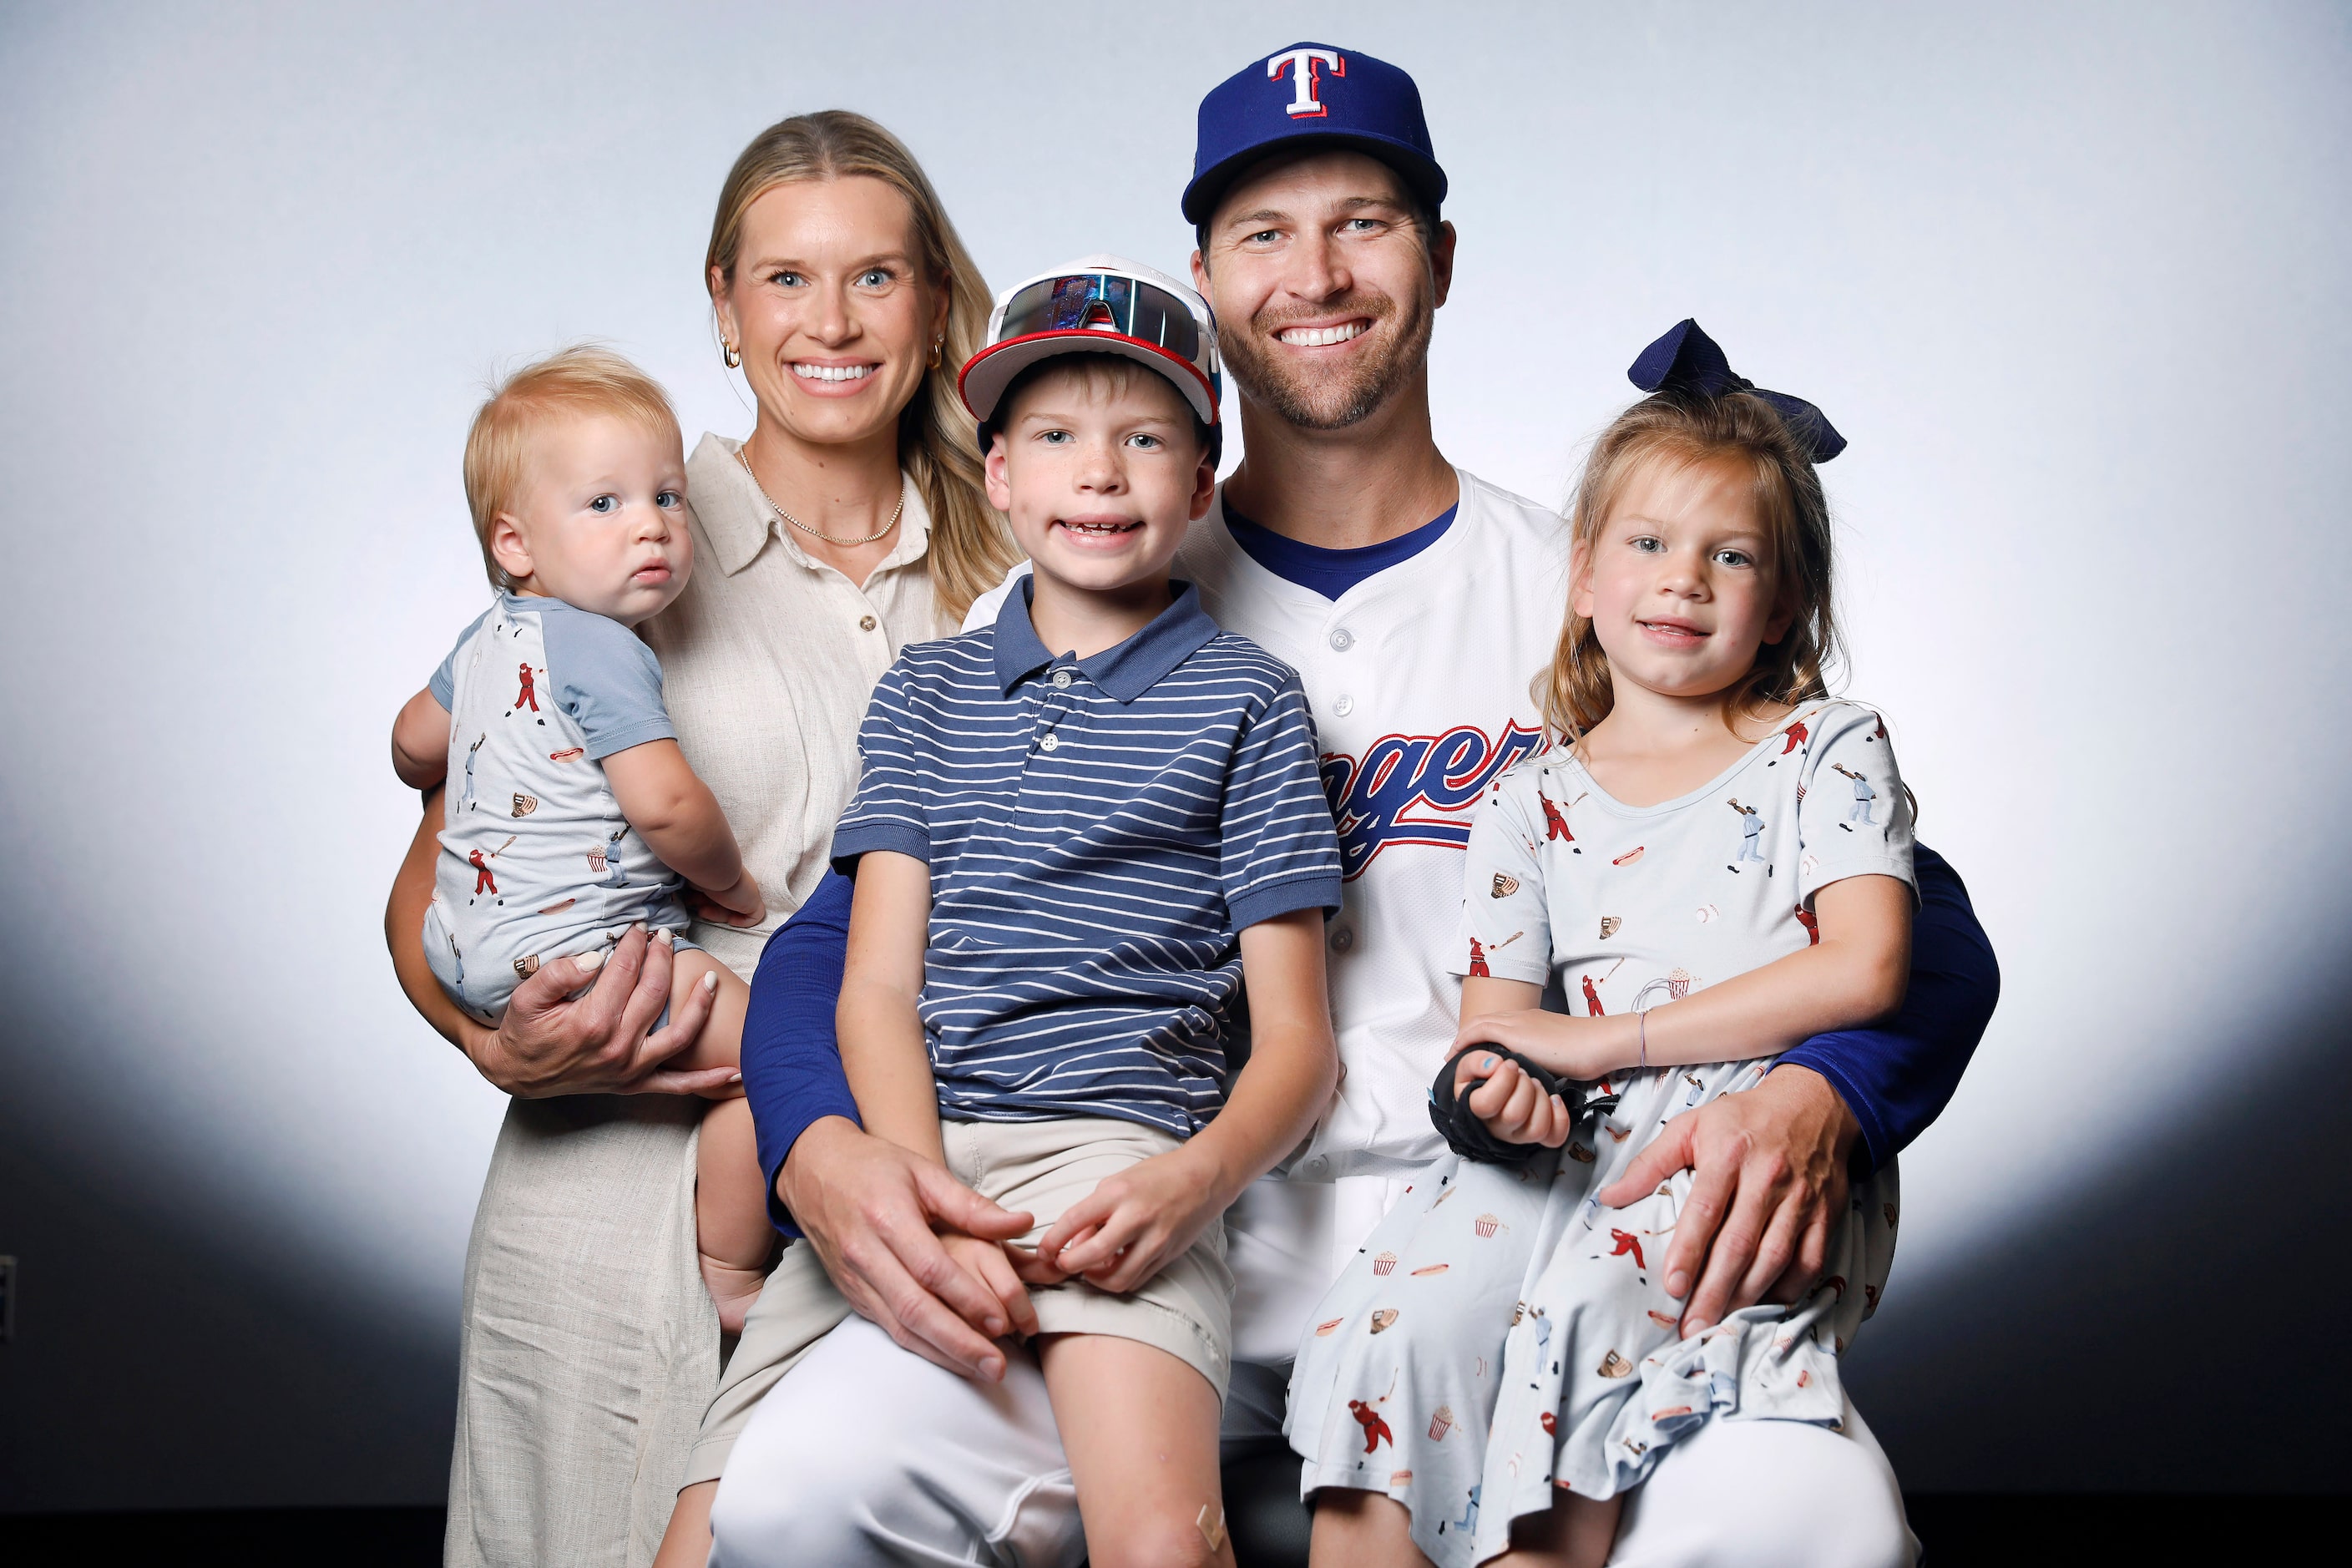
x=804, y=528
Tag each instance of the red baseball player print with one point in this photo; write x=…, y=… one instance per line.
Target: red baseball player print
x=1627, y=1242
x=1555, y=824
x=1376, y=1430
x=1796, y=735
x=483, y=882
x=1592, y=999
x=1805, y=917
x=528, y=695
x=1478, y=960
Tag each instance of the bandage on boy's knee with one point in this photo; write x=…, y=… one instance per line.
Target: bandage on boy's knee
x=1212, y=1531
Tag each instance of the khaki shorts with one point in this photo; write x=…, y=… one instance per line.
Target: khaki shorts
x=1041, y=1167
x=1044, y=1167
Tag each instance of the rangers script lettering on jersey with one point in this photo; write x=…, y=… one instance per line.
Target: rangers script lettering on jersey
x=1420, y=702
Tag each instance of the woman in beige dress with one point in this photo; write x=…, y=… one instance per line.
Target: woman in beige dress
x=852, y=521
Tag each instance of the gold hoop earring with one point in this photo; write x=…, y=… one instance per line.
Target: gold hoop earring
x=727, y=351
x=935, y=350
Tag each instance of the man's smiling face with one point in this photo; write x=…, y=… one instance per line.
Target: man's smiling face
x=1324, y=285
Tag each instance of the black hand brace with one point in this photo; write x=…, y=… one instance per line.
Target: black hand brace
x=1450, y=1112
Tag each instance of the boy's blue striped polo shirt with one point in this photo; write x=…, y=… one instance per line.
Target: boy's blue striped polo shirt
x=1099, y=831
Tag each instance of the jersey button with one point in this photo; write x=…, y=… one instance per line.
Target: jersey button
x=865, y=623
x=1052, y=742
x=1345, y=706
x=1342, y=640
x=1061, y=678
x=1343, y=940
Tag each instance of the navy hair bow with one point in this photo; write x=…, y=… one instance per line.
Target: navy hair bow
x=1688, y=360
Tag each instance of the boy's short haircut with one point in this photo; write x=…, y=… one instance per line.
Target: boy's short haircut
x=568, y=384
x=1113, y=373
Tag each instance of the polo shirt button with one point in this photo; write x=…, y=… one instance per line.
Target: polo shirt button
x=1343, y=940
x=1345, y=706
x=1062, y=678
x=865, y=623
x=1342, y=640
x=1051, y=743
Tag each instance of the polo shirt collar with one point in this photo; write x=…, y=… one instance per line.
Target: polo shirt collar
x=1126, y=671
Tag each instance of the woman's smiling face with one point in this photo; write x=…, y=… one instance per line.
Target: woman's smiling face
x=1678, y=581
x=831, y=309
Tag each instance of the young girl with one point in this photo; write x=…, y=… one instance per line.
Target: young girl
x=1715, y=866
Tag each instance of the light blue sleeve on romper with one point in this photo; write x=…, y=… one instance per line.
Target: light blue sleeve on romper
x=444, y=684
x=604, y=677
x=1853, y=818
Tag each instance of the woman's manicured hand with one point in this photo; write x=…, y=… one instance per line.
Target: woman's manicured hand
x=1514, y=1107
x=876, y=1214
x=552, y=1042
x=1135, y=1222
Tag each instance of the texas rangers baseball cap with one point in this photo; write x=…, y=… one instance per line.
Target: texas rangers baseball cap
x=1098, y=304
x=1304, y=97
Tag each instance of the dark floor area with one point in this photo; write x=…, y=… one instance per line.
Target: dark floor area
x=1958, y=1531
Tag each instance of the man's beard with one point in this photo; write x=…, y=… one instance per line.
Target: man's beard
x=1325, y=401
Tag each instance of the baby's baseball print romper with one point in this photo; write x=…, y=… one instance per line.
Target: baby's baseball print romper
x=1502, y=1334
x=537, y=861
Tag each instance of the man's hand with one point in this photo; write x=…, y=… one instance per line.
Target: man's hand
x=550, y=1043
x=1770, y=1180
x=1135, y=1222
x=872, y=1210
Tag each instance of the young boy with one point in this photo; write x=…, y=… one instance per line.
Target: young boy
x=578, y=816
x=1080, y=835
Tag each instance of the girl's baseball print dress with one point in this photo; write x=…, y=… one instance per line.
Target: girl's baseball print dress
x=1502, y=1335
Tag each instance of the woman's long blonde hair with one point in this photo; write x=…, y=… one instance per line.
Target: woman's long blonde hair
x=970, y=548
x=1683, y=428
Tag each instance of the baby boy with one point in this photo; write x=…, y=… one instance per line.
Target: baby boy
x=573, y=814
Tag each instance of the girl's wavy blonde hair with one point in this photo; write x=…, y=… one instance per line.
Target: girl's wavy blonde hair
x=971, y=547
x=1684, y=428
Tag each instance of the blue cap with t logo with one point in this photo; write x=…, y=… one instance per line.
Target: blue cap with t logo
x=1305, y=97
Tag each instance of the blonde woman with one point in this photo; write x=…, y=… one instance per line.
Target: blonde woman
x=850, y=522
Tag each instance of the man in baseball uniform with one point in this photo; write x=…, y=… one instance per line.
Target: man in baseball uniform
x=1415, y=601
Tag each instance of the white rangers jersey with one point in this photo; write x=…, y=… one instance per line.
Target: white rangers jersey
x=1419, y=678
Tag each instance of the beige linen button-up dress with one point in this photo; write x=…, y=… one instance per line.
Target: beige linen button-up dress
x=589, y=1351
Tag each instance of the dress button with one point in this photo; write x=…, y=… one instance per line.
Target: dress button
x=1342, y=640
x=1345, y=706
x=1343, y=939
x=1052, y=742
x=1061, y=678
x=865, y=623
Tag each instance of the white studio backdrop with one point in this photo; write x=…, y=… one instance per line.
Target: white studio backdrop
x=2071, y=279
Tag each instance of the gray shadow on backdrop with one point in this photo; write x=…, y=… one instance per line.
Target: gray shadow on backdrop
x=2165, y=1328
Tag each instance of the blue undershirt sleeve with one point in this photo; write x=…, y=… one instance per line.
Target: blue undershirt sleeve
x=605, y=678
x=1897, y=1078
x=791, y=1059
